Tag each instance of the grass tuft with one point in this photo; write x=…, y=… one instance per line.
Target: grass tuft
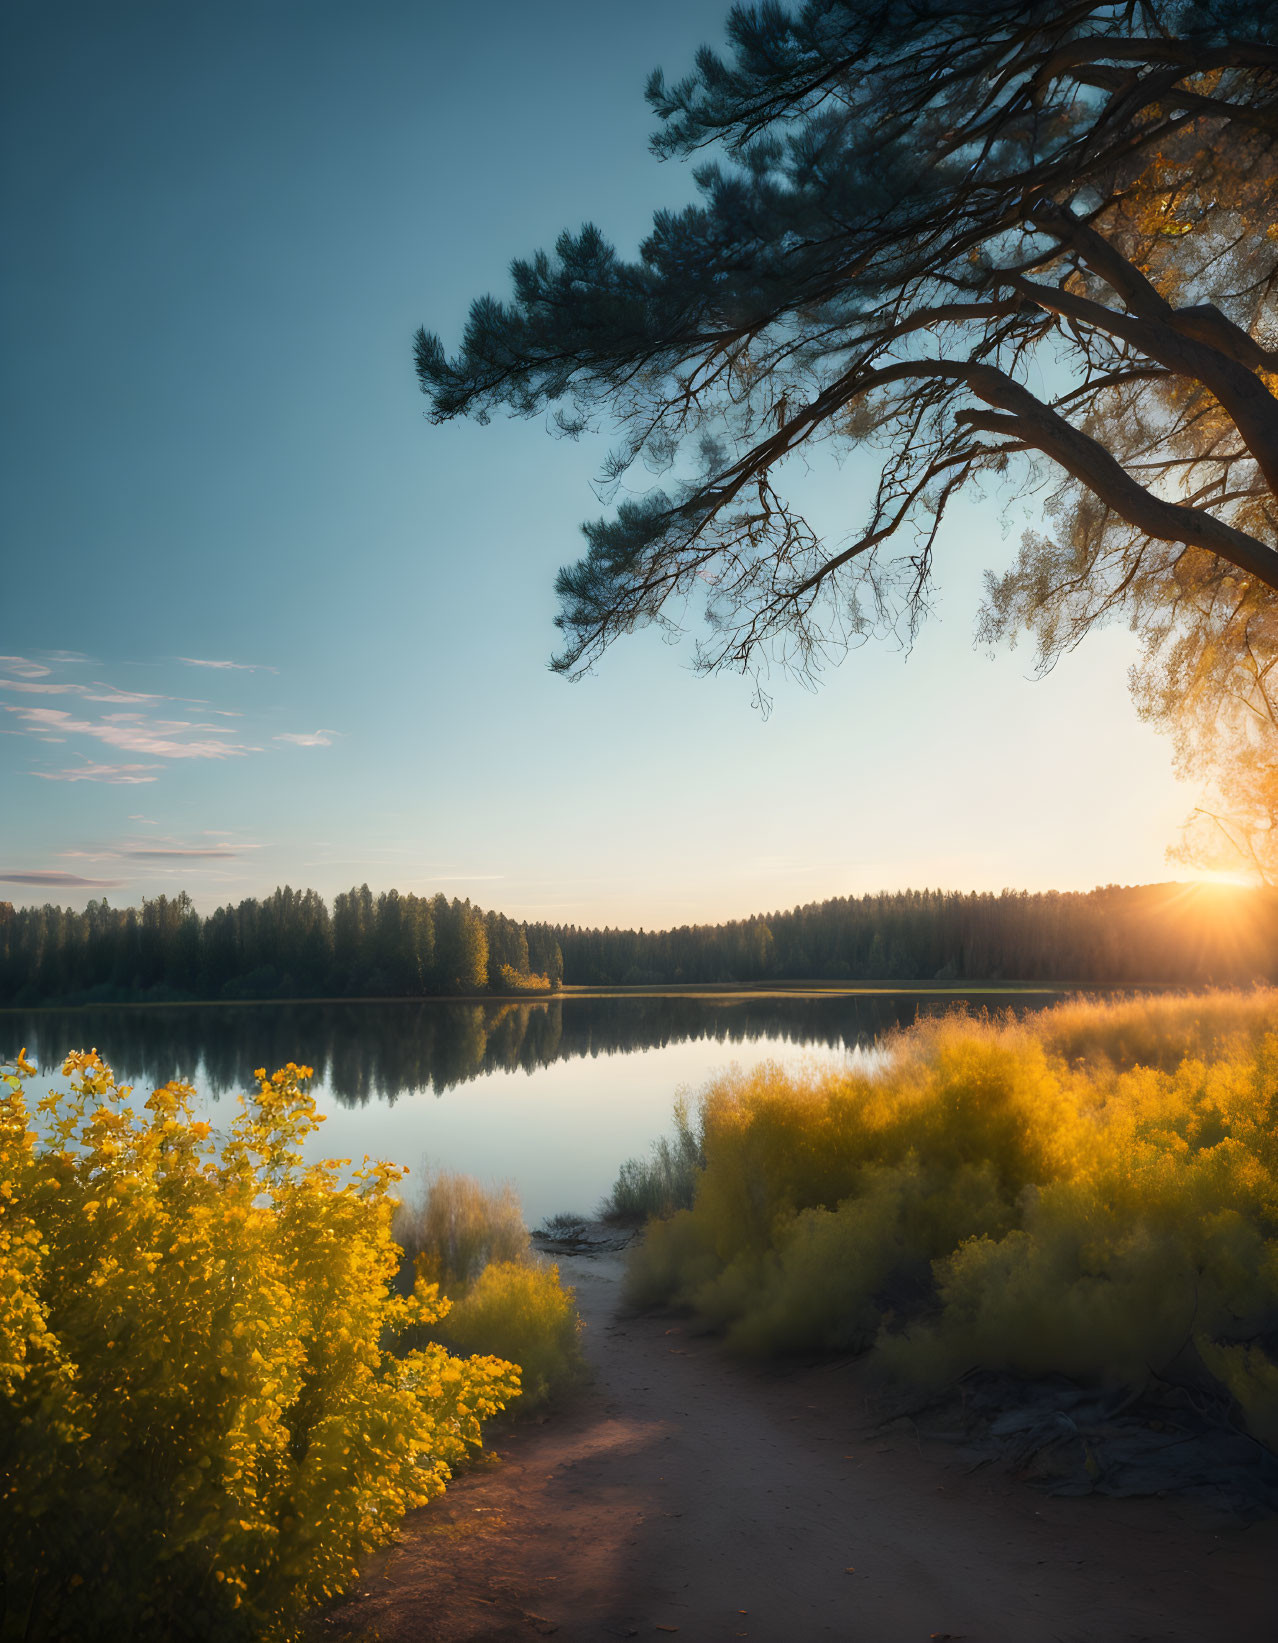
x=456, y=1226
x=655, y=1187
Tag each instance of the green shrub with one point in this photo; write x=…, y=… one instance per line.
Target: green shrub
x=661, y=1184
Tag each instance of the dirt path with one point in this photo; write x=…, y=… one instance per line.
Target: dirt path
x=690, y=1494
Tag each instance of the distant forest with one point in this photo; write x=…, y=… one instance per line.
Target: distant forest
x=1168, y=933
x=290, y=945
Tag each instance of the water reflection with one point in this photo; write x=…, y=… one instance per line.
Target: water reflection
x=380, y=1051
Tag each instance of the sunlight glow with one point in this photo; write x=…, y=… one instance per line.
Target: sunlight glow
x=1233, y=877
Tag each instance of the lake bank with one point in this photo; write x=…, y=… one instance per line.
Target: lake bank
x=711, y=992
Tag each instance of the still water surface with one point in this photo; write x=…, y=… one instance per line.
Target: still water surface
x=551, y=1095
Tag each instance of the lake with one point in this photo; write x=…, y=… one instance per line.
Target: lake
x=552, y=1095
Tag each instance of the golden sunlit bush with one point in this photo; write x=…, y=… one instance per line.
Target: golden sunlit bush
x=202, y=1429
x=472, y=1241
x=1091, y=1191
x=520, y=1310
x=513, y=982
x=1159, y=1030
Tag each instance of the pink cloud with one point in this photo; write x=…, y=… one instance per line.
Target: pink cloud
x=112, y=693
x=310, y=738
x=61, y=881
x=122, y=775
x=131, y=732
x=230, y=667
x=157, y=855
x=98, y=692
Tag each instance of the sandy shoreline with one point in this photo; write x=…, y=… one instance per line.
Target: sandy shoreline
x=689, y=1493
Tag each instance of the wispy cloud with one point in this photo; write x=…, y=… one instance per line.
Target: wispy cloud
x=148, y=821
x=122, y=775
x=51, y=705
x=60, y=881
x=160, y=855
x=112, y=693
x=133, y=733
x=99, y=691
x=23, y=667
x=307, y=738
x=41, y=687
x=227, y=848
x=228, y=667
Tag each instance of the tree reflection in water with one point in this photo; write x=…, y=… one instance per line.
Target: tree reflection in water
x=367, y=1051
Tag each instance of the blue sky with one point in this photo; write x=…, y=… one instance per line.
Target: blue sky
x=262, y=624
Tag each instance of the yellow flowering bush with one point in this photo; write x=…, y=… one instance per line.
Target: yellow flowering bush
x=522, y=1310
x=203, y=1425
x=505, y=1299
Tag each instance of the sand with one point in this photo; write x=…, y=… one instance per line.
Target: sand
x=688, y=1494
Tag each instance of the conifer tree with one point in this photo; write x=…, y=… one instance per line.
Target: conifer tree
x=1028, y=244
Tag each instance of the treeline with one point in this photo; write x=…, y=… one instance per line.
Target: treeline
x=288, y=945
x=1185, y=935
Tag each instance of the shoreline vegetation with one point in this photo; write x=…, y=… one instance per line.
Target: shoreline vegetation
x=290, y=947
x=225, y=1374
x=271, y=1362
x=1088, y=1192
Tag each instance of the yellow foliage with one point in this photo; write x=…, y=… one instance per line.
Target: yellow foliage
x=521, y=1310
x=203, y=1429
x=1089, y=1191
x=512, y=981
x=502, y=1298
